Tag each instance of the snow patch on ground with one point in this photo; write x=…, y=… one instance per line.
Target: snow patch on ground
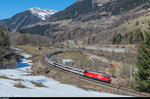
x=53, y=88
x=26, y=55
x=14, y=48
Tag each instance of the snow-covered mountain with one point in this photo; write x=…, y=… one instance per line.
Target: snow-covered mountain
x=42, y=13
x=28, y=17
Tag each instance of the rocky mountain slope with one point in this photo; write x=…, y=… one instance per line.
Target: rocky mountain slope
x=85, y=10
x=80, y=7
x=30, y=16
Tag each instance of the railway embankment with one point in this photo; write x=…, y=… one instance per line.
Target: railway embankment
x=94, y=84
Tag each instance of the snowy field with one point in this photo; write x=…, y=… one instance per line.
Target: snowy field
x=20, y=75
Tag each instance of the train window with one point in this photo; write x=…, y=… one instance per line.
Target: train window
x=86, y=71
x=106, y=76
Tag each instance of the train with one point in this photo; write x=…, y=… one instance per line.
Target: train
x=86, y=73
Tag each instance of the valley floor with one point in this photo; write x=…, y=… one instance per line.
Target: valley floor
x=18, y=82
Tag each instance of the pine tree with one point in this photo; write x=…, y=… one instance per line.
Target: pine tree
x=142, y=77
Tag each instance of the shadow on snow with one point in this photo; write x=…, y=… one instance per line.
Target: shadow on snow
x=21, y=64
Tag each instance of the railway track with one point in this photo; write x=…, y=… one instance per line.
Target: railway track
x=124, y=90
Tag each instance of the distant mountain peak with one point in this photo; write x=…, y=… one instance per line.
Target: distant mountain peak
x=28, y=17
x=42, y=13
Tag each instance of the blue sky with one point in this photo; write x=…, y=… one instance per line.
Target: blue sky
x=8, y=8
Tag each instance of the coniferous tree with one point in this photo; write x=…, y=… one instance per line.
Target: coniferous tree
x=142, y=77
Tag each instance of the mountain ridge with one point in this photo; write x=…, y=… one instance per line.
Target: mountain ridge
x=84, y=8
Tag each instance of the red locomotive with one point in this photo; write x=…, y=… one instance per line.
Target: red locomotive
x=98, y=76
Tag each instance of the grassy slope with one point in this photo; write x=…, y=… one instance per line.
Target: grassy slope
x=144, y=19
